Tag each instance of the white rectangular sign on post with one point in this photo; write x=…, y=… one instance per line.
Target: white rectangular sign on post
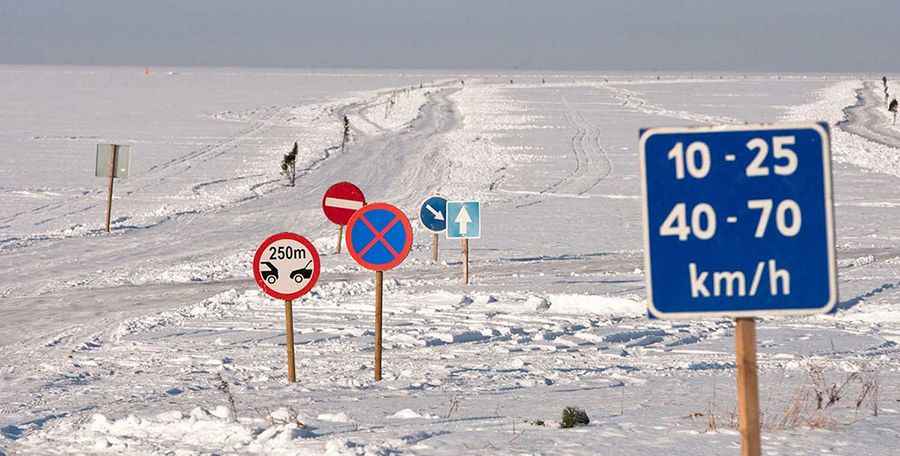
x=105, y=157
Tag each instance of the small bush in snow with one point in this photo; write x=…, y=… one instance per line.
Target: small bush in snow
x=345, y=138
x=893, y=108
x=573, y=416
x=289, y=165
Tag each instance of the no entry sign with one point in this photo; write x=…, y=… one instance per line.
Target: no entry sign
x=341, y=200
x=286, y=266
x=379, y=236
x=738, y=221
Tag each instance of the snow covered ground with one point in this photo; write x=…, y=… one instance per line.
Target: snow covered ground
x=154, y=340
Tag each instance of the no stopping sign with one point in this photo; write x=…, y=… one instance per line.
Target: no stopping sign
x=379, y=236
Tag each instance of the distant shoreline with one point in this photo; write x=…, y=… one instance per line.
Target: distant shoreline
x=461, y=72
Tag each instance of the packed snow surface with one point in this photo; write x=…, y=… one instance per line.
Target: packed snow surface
x=153, y=339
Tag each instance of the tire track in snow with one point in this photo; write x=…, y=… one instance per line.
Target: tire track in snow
x=225, y=145
x=635, y=101
x=592, y=163
x=64, y=203
x=48, y=206
x=198, y=187
x=597, y=154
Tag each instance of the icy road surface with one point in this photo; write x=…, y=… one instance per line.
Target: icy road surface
x=154, y=338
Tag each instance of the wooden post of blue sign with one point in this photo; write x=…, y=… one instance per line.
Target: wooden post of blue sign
x=747, y=386
x=390, y=227
x=465, y=249
x=434, y=247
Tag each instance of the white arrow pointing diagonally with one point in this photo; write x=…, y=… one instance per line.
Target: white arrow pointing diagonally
x=463, y=220
x=437, y=215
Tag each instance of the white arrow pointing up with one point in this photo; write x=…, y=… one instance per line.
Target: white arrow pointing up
x=437, y=215
x=463, y=220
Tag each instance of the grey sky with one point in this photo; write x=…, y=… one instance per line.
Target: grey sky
x=743, y=35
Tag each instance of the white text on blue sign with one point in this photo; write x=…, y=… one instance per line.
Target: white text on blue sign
x=738, y=221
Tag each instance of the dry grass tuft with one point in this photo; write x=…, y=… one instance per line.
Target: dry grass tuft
x=829, y=398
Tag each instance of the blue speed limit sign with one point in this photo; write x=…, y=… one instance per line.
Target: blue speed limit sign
x=738, y=221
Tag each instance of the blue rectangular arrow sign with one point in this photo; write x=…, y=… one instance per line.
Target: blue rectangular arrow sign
x=463, y=220
x=738, y=221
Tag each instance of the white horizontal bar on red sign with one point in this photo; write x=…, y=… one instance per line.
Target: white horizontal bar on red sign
x=343, y=203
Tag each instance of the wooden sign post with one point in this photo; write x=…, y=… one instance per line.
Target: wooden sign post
x=465, y=252
x=113, y=161
x=747, y=386
x=379, y=237
x=112, y=178
x=289, y=331
x=286, y=266
x=434, y=247
x=379, y=281
x=340, y=235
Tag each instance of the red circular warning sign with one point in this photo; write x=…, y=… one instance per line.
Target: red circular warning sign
x=341, y=201
x=379, y=237
x=286, y=266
